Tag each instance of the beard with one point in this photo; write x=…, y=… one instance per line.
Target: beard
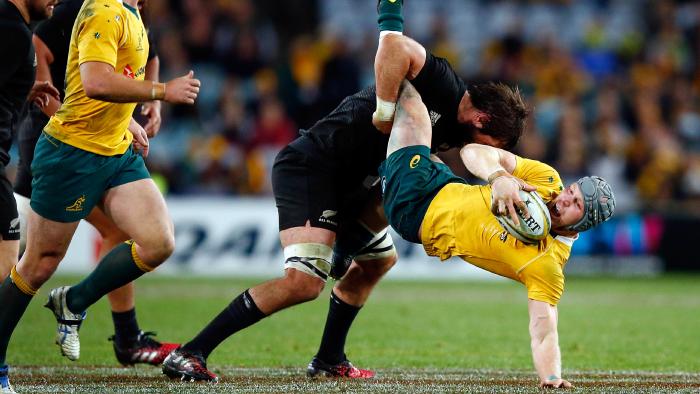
x=39, y=10
x=455, y=138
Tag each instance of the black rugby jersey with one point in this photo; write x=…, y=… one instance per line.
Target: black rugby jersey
x=348, y=139
x=17, y=71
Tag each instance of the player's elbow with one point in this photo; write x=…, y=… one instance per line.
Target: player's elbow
x=398, y=49
x=94, y=89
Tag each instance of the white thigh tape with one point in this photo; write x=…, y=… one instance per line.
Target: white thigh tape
x=311, y=258
x=381, y=246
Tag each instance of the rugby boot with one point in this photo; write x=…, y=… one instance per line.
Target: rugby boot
x=343, y=369
x=145, y=350
x=68, y=323
x=188, y=367
x=5, y=386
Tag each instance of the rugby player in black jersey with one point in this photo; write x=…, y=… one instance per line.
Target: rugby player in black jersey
x=321, y=178
x=17, y=87
x=52, y=40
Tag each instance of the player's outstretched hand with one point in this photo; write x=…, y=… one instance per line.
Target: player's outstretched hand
x=182, y=90
x=151, y=110
x=505, y=197
x=41, y=92
x=140, y=138
x=556, y=384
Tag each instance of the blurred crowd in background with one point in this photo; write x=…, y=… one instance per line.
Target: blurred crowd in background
x=614, y=85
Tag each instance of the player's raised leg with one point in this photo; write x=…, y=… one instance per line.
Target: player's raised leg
x=139, y=209
x=411, y=121
x=131, y=344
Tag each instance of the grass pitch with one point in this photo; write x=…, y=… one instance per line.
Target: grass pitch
x=616, y=335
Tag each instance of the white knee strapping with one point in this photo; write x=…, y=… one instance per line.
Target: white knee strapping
x=310, y=258
x=381, y=246
x=22, y=211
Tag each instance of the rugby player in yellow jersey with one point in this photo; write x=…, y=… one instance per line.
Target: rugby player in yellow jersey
x=91, y=154
x=427, y=204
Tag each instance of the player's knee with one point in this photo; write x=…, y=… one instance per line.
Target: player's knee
x=410, y=99
x=159, y=250
x=307, y=267
x=303, y=286
x=37, y=271
x=378, y=258
x=165, y=249
x=373, y=270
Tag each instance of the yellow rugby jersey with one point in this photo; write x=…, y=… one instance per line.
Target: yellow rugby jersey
x=459, y=222
x=111, y=32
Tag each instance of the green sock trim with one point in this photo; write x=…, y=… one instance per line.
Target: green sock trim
x=390, y=15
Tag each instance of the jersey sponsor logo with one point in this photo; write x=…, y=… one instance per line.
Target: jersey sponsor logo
x=504, y=236
x=97, y=35
x=414, y=161
x=77, y=206
x=434, y=117
x=327, y=217
x=129, y=72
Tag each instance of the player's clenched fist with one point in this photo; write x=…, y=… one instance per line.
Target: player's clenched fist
x=182, y=90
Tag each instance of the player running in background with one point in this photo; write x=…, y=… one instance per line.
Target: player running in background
x=52, y=40
x=89, y=154
x=319, y=181
x=427, y=204
x=17, y=87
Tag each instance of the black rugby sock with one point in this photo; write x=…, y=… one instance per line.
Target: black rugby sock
x=115, y=270
x=126, y=328
x=340, y=318
x=13, y=303
x=239, y=314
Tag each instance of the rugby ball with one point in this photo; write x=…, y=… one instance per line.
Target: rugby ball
x=535, y=226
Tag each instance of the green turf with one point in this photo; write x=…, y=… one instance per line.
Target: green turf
x=609, y=324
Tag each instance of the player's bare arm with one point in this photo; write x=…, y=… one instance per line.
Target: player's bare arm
x=398, y=57
x=100, y=82
x=496, y=167
x=544, y=341
x=47, y=99
x=151, y=109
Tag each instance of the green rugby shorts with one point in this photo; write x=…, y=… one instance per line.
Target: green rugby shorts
x=410, y=181
x=67, y=182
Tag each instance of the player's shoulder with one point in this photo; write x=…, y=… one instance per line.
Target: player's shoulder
x=18, y=30
x=104, y=11
x=525, y=164
x=538, y=173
